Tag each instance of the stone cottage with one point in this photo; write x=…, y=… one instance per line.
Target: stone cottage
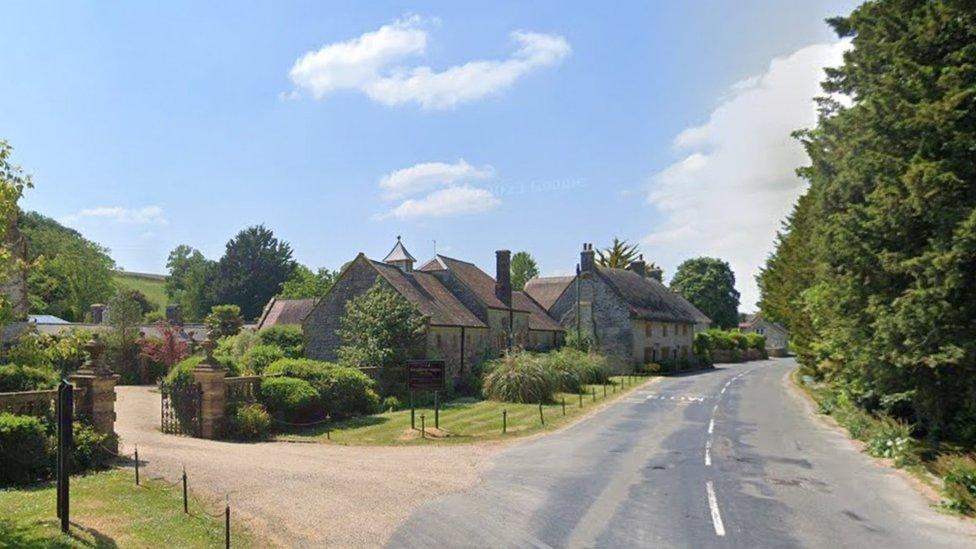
x=469, y=315
x=777, y=336
x=633, y=318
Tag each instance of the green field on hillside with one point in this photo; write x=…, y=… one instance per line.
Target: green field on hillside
x=155, y=289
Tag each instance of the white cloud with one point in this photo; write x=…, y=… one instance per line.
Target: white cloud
x=369, y=64
x=139, y=216
x=452, y=201
x=428, y=175
x=736, y=181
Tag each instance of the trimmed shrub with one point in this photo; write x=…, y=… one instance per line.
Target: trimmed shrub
x=958, y=482
x=89, y=452
x=14, y=378
x=343, y=391
x=288, y=338
x=390, y=404
x=519, y=377
x=24, y=450
x=289, y=398
x=182, y=373
x=250, y=422
x=259, y=357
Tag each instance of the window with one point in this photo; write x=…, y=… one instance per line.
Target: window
x=684, y=329
x=664, y=330
x=649, y=329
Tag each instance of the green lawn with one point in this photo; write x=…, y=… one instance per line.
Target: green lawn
x=464, y=420
x=109, y=510
x=154, y=289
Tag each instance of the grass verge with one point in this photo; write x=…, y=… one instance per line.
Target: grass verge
x=465, y=420
x=109, y=510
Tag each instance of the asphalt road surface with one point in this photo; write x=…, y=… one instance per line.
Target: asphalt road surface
x=726, y=458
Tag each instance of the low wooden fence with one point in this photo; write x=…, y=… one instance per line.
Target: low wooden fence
x=38, y=403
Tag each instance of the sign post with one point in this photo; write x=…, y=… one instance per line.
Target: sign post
x=426, y=375
x=65, y=410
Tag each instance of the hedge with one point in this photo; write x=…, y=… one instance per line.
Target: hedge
x=343, y=391
x=289, y=398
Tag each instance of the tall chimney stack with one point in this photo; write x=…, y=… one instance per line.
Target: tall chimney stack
x=503, y=276
x=587, y=258
x=638, y=266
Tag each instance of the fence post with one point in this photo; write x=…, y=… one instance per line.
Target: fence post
x=564, y=405
x=581, y=398
x=423, y=426
x=186, y=509
x=227, y=524
x=504, y=421
x=210, y=375
x=137, y=466
x=604, y=390
x=413, y=423
x=437, y=412
x=65, y=409
x=542, y=418
x=593, y=394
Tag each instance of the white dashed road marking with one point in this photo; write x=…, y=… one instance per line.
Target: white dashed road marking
x=713, y=507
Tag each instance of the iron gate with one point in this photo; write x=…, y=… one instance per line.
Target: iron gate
x=181, y=409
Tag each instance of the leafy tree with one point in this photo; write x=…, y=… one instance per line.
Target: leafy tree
x=13, y=182
x=524, y=268
x=304, y=283
x=378, y=330
x=189, y=282
x=252, y=270
x=225, y=320
x=709, y=284
x=618, y=255
x=889, y=293
x=67, y=272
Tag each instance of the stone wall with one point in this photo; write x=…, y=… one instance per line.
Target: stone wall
x=320, y=327
x=604, y=316
x=662, y=339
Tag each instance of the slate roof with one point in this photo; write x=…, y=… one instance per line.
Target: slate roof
x=478, y=281
x=539, y=319
x=399, y=253
x=285, y=311
x=648, y=298
x=547, y=290
x=429, y=295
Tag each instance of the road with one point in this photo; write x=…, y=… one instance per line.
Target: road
x=725, y=458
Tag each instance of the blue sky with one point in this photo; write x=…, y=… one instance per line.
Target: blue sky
x=529, y=126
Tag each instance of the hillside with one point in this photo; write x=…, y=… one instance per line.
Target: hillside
x=154, y=286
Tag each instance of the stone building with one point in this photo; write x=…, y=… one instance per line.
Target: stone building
x=777, y=336
x=469, y=315
x=632, y=317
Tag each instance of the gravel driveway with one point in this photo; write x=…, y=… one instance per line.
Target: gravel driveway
x=302, y=494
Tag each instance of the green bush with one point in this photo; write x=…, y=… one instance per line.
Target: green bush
x=343, y=391
x=741, y=341
x=24, y=450
x=890, y=438
x=519, y=377
x=14, y=378
x=755, y=341
x=958, y=482
x=182, y=372
x=30, y=350
x=89, y=451
x=289, y=398
x=583, y=342
x=230, y=350
x=390, y=404
x=702, y=345
x=250, y=422
x=259, y=357
x=288, y=338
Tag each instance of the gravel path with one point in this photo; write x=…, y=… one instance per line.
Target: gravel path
x=302, y=494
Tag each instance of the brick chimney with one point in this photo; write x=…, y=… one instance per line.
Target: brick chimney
x=97, y=313
x=638, y=266
x=503, y=276
x=587, y=260
x=656, y=273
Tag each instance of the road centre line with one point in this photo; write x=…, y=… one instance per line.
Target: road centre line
x=708, y=453
x=713, y=507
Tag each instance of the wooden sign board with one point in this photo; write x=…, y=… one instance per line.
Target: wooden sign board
x=426, y=375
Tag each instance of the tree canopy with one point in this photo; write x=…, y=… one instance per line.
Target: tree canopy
x=304, y=283
x=189, y=282
x=254, y=266
x=618, y=255
x=379, y=328
x=524, y=268
x=13, y=182
x=876, y=267
x=709, y=284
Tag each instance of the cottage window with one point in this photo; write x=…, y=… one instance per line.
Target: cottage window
x=664, y=330
x=649, y=329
